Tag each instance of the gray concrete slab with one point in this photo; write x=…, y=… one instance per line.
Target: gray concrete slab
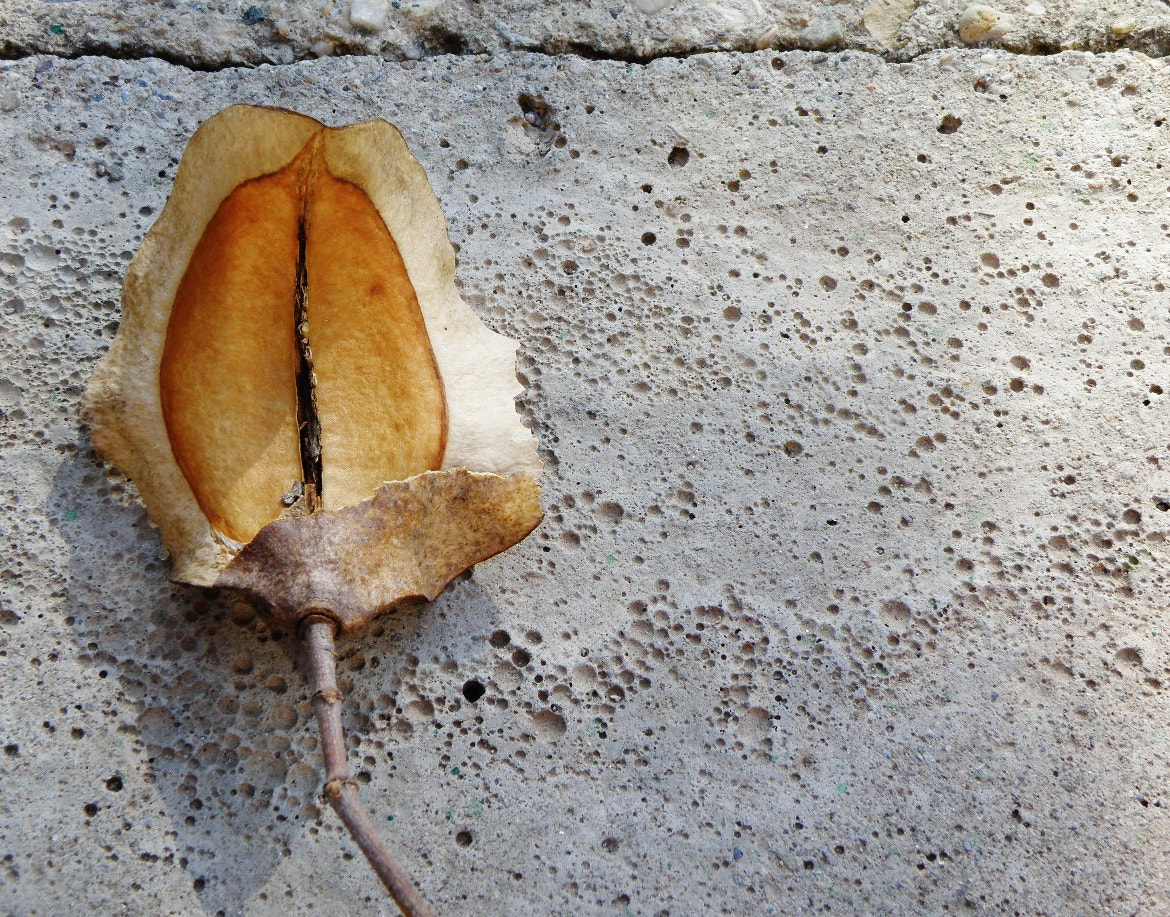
x=850, y=378
x=211, y=35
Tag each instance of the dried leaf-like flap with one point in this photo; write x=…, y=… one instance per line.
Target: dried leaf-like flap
x=291, y=326
x=408, y=542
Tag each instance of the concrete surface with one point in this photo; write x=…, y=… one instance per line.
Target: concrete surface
x=851, y=381
x=209, y=35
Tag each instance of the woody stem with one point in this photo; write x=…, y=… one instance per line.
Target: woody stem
x=340, y=788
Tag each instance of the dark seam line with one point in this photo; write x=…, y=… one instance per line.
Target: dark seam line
x=308, y=421
x=1153, y=49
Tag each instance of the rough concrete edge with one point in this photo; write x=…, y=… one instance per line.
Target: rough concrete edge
x=1152, y=41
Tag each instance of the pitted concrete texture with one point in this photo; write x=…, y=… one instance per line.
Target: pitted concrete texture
x=850, y=378
x=209, y=35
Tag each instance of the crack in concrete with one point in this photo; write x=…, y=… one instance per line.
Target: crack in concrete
x=558, y=49
x=175, y=60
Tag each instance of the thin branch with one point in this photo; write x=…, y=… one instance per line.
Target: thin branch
x=340, y=788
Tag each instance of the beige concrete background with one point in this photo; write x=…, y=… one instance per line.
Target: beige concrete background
x=849, y=375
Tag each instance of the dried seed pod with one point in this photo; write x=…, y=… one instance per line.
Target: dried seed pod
x=293, y=342
x=312, y=414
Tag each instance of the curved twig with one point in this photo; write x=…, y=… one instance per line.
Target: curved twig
x=340, y=787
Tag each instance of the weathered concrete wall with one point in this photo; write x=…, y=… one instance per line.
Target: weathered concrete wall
x=209, y=35
x=850, y=378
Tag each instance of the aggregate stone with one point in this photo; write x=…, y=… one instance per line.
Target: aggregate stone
x=210, y=35
x=849, y=379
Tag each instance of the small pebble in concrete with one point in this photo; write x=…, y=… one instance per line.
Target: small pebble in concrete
x=883, y=19
x=983, y=23
x=821, y=33
x=369, y=14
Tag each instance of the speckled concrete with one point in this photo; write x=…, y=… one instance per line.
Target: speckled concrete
x=850, y=378
x=208, y=35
